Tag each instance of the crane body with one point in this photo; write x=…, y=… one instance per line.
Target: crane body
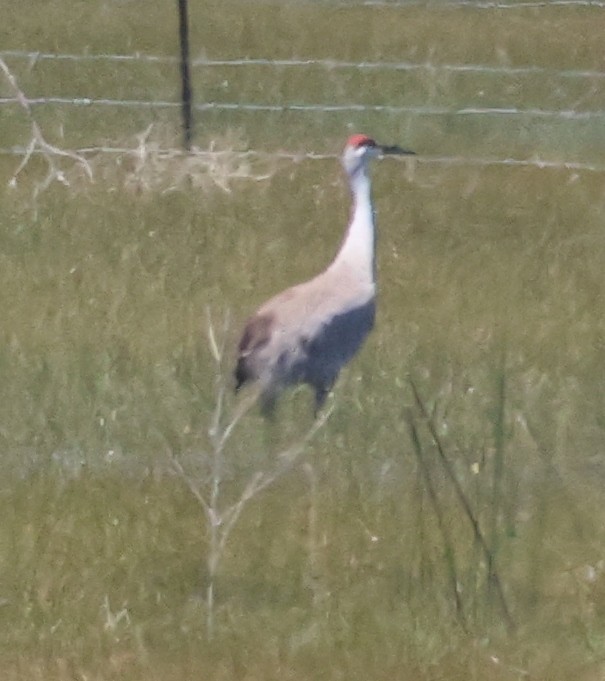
x=307, y=333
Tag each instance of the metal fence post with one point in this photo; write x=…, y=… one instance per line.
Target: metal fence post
x=185, y=75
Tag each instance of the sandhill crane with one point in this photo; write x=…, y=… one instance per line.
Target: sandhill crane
x=307, y=333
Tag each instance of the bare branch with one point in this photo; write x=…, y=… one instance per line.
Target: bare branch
x=39, y=144
x=242, y=409
x=214, y=348
x=19, y=96
x=234, y=511
x=222, y=518
x=193, y=488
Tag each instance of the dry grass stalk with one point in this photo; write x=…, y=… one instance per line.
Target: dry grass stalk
x=149, y=166
x=221, y=519
x=155, y=165
x=39, y=145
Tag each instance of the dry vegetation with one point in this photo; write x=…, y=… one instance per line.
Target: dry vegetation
x=149, y=163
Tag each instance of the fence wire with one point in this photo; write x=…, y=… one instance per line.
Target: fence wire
x=332, y=65
x=568, y=114
x=328, y=64
x=298, y=157
x=475, y=4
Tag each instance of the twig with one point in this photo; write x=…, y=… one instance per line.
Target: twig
x=38, y=143
x=193, y=488
x=222, y=519
x=216, y=353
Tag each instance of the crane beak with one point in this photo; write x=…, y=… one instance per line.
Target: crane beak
x=395, y=151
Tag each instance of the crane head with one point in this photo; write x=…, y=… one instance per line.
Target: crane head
x=361, y=148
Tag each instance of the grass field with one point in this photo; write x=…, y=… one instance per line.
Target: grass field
x=446, y=521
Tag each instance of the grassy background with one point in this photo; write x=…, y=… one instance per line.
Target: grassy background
x=491, y=286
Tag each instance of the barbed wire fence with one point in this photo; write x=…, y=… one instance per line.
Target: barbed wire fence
x=31, y=57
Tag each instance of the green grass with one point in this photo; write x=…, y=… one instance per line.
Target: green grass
x=491, y=289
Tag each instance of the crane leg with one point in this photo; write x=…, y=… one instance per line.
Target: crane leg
x=268, y=400
x=321, y=393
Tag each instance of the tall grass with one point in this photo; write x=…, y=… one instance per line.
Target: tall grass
x=447, y=521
